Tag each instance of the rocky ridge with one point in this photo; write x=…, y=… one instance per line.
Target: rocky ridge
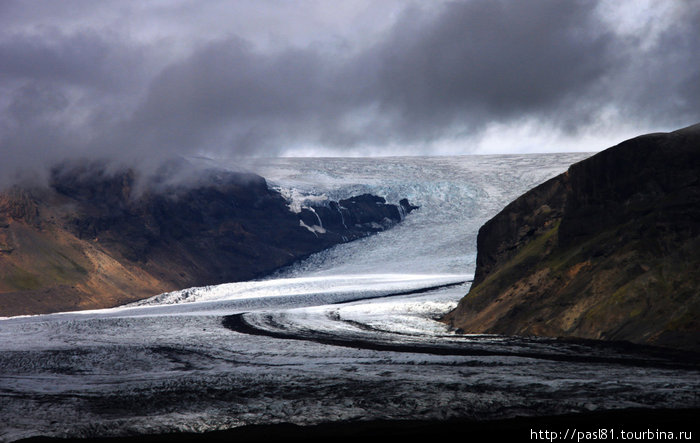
x=95, y=238
x=608, y=250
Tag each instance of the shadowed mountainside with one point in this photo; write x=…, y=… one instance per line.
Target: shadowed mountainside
x=92, y=239
x=608, y=250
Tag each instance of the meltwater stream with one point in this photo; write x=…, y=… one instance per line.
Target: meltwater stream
x=348, y=334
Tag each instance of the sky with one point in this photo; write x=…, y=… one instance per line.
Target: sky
x=143, y=81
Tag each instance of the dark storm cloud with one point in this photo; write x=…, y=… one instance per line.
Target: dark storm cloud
x=662, y=82
x=473, y=62
x=489, y=59
x=59, y=94
x=228, y=97
x=437, y=72
x=85, y=59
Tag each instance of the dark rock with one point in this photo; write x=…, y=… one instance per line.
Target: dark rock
x=355, y=217
x=608, y=250
x=407, y=207
x=111, y=238
x=517, y=224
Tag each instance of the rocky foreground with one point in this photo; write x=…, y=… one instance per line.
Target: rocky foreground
x=608, y=250
x=631, y=424
x=95, y=239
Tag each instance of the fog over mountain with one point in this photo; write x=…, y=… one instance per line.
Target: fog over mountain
x=138, y=82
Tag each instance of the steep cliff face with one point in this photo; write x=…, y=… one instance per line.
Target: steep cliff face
x=92, y=239
x=608, y=250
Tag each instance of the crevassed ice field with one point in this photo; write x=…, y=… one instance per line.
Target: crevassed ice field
x=349, y=333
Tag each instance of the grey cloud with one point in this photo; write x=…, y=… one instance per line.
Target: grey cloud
x=663, y=82
x=472, y=62
x=491, y=60
x=83, y=59
x=437, y=72
x=59, y=93
x=228, y=98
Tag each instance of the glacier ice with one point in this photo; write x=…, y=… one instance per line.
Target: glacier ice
x=168, y=363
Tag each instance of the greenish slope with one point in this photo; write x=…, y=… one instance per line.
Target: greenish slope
x=608, y=250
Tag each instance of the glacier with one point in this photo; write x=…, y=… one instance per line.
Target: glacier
x=348, y=334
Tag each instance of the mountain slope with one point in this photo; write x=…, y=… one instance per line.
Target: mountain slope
x=93, y=239
x=608, y=250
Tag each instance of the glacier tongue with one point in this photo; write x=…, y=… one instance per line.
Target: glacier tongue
x=455, y=195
